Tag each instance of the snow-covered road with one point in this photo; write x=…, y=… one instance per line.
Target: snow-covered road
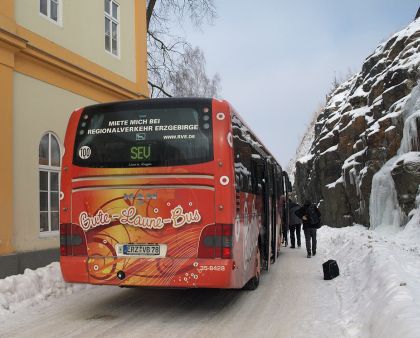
x=292, y=299
x=377, y=295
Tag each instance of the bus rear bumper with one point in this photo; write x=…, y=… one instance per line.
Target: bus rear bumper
x=73, y=269
x=157, y=272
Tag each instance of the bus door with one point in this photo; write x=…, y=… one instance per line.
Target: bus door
x=269, y=209
x=262, y=188
x=274, y=230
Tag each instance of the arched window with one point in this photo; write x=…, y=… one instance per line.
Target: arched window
x=49, y=182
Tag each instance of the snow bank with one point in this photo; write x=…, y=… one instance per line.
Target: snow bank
x=33, y=287
x=379, y=281
x=378, y=288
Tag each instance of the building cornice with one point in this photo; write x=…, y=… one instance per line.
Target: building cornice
x=27, y=52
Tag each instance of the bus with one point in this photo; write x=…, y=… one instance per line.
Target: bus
x=175, y=193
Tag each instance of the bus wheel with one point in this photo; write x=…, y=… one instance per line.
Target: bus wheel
x=255, y=281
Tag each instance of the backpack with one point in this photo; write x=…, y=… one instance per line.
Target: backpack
x=313, y=217
x=330, y=269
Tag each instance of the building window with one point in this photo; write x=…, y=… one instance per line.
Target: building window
x=51, y=9
x=49, y=182
x=112, y=25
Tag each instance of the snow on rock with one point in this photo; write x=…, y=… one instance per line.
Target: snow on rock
x=366, y=121
x=302, y=150
x=332, y=185
x=34, y=286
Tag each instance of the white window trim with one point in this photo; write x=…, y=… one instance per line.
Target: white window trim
x=59, y=21
x=118, y=22
x=49, y=234
x=49, y=169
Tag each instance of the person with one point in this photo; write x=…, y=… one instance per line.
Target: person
x=294, y=224
x=311, y=218
x=285, y=227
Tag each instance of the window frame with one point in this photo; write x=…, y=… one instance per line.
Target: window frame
x=48, y=17
x=109, y=16
x=49, y=169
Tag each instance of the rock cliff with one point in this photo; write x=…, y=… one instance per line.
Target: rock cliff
x=370, y=127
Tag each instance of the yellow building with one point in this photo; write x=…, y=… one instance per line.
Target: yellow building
x=55, y=56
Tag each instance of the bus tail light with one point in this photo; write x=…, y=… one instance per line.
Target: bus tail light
x=216, y=241
x=63, y=239
x=72, y=240
x=78, y=241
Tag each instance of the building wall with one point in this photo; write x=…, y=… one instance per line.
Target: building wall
x=82, y=31
x=38, y=108
x=6, y=154
x=46, y=71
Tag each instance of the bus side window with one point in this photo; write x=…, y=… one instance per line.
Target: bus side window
x=254, y=177
x=257, y=176
x=242, y=157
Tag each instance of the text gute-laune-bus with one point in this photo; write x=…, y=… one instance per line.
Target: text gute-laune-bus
x=168, y=193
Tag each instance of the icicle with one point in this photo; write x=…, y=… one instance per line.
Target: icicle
x=409, y=141
x=384, y=209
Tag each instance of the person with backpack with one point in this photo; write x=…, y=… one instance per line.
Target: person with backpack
x=311, y=218
x=294, y=224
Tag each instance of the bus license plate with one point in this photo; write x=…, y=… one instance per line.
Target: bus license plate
x=141, y=250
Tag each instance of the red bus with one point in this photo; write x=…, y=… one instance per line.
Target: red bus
x=167, y=193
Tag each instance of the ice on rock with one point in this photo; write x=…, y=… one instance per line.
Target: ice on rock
x=385, y=211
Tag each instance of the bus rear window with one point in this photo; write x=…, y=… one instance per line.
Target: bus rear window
x=143, y=138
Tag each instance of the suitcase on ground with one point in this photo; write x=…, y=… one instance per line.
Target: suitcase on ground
x=331, y=269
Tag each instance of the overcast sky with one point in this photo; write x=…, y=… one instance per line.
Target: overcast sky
x=277, y=58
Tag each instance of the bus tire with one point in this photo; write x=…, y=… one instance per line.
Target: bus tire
x=253, y=283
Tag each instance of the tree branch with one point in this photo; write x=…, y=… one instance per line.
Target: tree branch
x=149, y=12
x=158, y=87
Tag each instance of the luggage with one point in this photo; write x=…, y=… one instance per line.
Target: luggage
x=331, y=269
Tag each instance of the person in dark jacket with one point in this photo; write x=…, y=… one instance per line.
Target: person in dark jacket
x=294, y=224
x=311, y=218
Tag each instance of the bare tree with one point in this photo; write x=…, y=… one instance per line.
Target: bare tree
x=165, y=51
x=190, y=78
x=338, y=80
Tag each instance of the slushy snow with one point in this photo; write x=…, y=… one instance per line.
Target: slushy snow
x=376, y=295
